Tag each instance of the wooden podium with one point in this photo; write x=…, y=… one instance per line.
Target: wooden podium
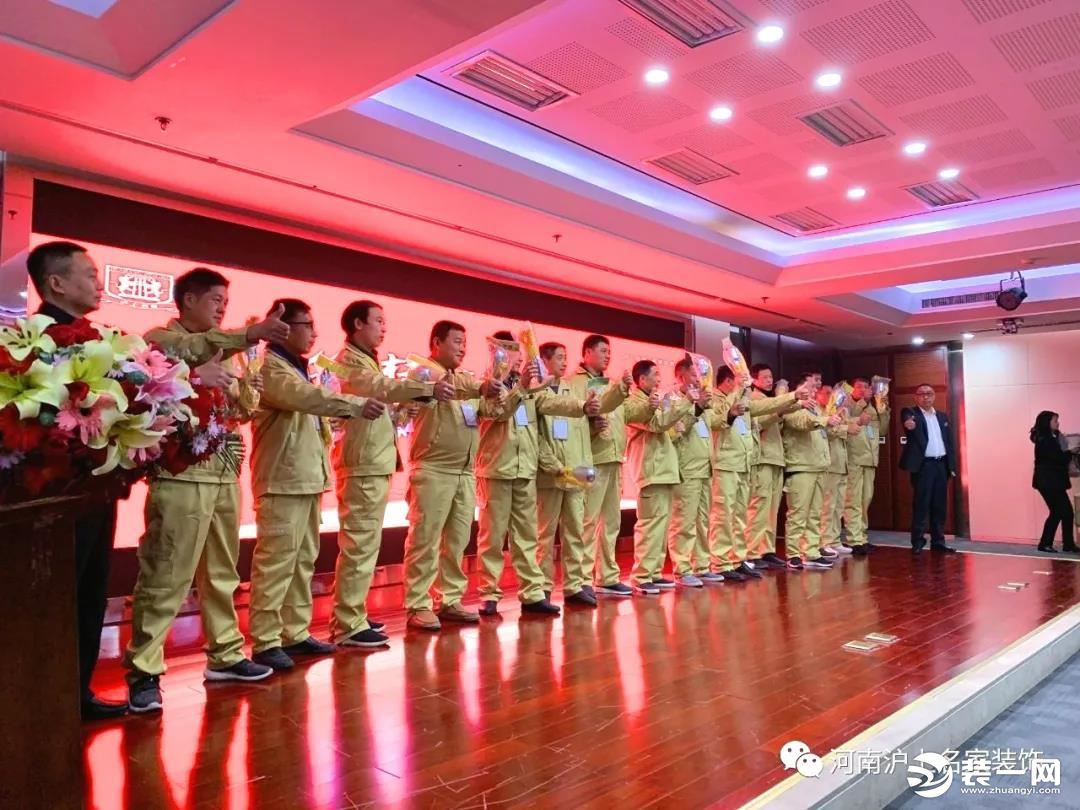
x=41, y=766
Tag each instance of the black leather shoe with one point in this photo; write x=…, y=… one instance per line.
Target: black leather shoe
x=541, y=606
x=942, y=549
x=97, y=709
x=1071, y=549
x=1048, y=549
x=916, y=550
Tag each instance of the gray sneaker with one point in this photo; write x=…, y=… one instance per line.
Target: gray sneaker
x=616, y=589
x=647, y=588
x=711, y=578
x=144, y=694
x=690, y=581
x=244, y=670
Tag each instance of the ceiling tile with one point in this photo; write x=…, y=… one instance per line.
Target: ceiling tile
x=987, y=10
x=642, y=110
x=791, y=6
x=990, y=147
x=578, y=68
x=916, y=80
x=956, y=116
x=743, y=76
x=875, y=31
x=1014, y=175
x=782, y=118
x=647, y=38
x=1055, y=92
x=708, y=139
x=1069, y=126
x=1041, y=44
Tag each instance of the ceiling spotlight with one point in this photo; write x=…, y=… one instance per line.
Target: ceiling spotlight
x=656, y=75
x=856, y=193
x=918, y=341
x=828, y=80
x=817, y=171
x=914, y=148
x=1009, y=298
x=948, y=174
x=770, y=34
x=1010, y=326
x=969, y=335
x=720, y=113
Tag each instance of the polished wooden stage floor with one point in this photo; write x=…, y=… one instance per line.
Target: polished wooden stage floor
x=683, y=698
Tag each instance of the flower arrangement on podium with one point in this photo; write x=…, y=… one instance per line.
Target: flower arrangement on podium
x=87, y=408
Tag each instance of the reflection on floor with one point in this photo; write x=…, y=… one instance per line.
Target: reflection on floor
x=683, y=698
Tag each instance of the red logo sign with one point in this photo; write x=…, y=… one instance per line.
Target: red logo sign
x=142, y=289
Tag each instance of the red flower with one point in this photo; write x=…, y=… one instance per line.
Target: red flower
x=10, y=365
x=78, y=331
x=77, y=391
x=23, y=435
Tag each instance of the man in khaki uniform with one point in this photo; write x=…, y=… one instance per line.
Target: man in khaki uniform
x=806, y=457
x=834, y=480
x=767, y=478
x=863, y=450
x=192, y=518
x=364, y=459
x=289, y=473
x=442, y=487
x=564, y=443
x=506, y=469
x=653, y=461
x=735, y=450
x=603, y=510
x=688, y=536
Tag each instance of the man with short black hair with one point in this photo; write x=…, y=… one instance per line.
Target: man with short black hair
x=806, y=458
x=70, y=288
x=930, y=457
x=364, y=460
x=603, y=510
x=564, y=444
x=193, y=517
x=654, y=463
x=290, y=470
x=767, y=478
x=864, y=448
x=442, y=485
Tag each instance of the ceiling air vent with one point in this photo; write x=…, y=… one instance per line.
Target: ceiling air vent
x=806, y=220
x=502, y=77
x=692, y=22
x=692, y=167
x=967, y=299
x=846, y=124
x=936, y=195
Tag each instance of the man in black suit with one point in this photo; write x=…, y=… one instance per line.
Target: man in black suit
x=930, y=456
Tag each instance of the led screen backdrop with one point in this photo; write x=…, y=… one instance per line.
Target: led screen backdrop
x=138, y=296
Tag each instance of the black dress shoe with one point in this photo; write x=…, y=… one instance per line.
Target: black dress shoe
x=1071, y=549
x=95, y=708
x=1048, y=549
x=541, y=606
x=942, y=549
x=916, y=550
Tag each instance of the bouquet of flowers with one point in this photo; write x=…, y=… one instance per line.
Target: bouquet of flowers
x=82, y=403
x=839, y=399
x=581, y=477
x=504, y=358
x=703, y=366
x=531, y=348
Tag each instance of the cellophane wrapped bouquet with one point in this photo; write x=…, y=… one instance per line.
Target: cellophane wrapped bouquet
x=86, y=408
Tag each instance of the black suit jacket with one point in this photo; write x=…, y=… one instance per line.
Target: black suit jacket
x=1051, y=464
x=914, y=453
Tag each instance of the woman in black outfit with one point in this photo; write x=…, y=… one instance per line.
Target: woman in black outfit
x=1051, y=479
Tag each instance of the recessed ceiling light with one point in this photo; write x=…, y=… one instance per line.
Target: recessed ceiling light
x=721, y=113
x=914, y=148
x=770, y=34
x=948, y=174
x=656, y=75
x=969, y=335
x=23, y=294
x=817, y=171
x=856, y=193
x=828, y=79
x=918, y=341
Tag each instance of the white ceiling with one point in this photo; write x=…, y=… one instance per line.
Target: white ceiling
x=343, y=118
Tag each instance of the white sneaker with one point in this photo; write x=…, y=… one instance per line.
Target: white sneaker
x=841, y=549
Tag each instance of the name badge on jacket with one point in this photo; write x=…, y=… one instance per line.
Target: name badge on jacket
x=560, y=428
x=468, y=413
x=701, y=428
x=521, y=416
x=740, y=425
x=870, y=431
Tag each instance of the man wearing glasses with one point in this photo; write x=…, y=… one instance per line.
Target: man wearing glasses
x=929, y=455
x=290, y=471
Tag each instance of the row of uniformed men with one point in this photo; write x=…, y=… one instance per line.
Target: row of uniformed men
x=710, y=463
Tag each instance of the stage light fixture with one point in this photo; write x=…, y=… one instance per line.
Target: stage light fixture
x=1010, y=326
x=1010, y=298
